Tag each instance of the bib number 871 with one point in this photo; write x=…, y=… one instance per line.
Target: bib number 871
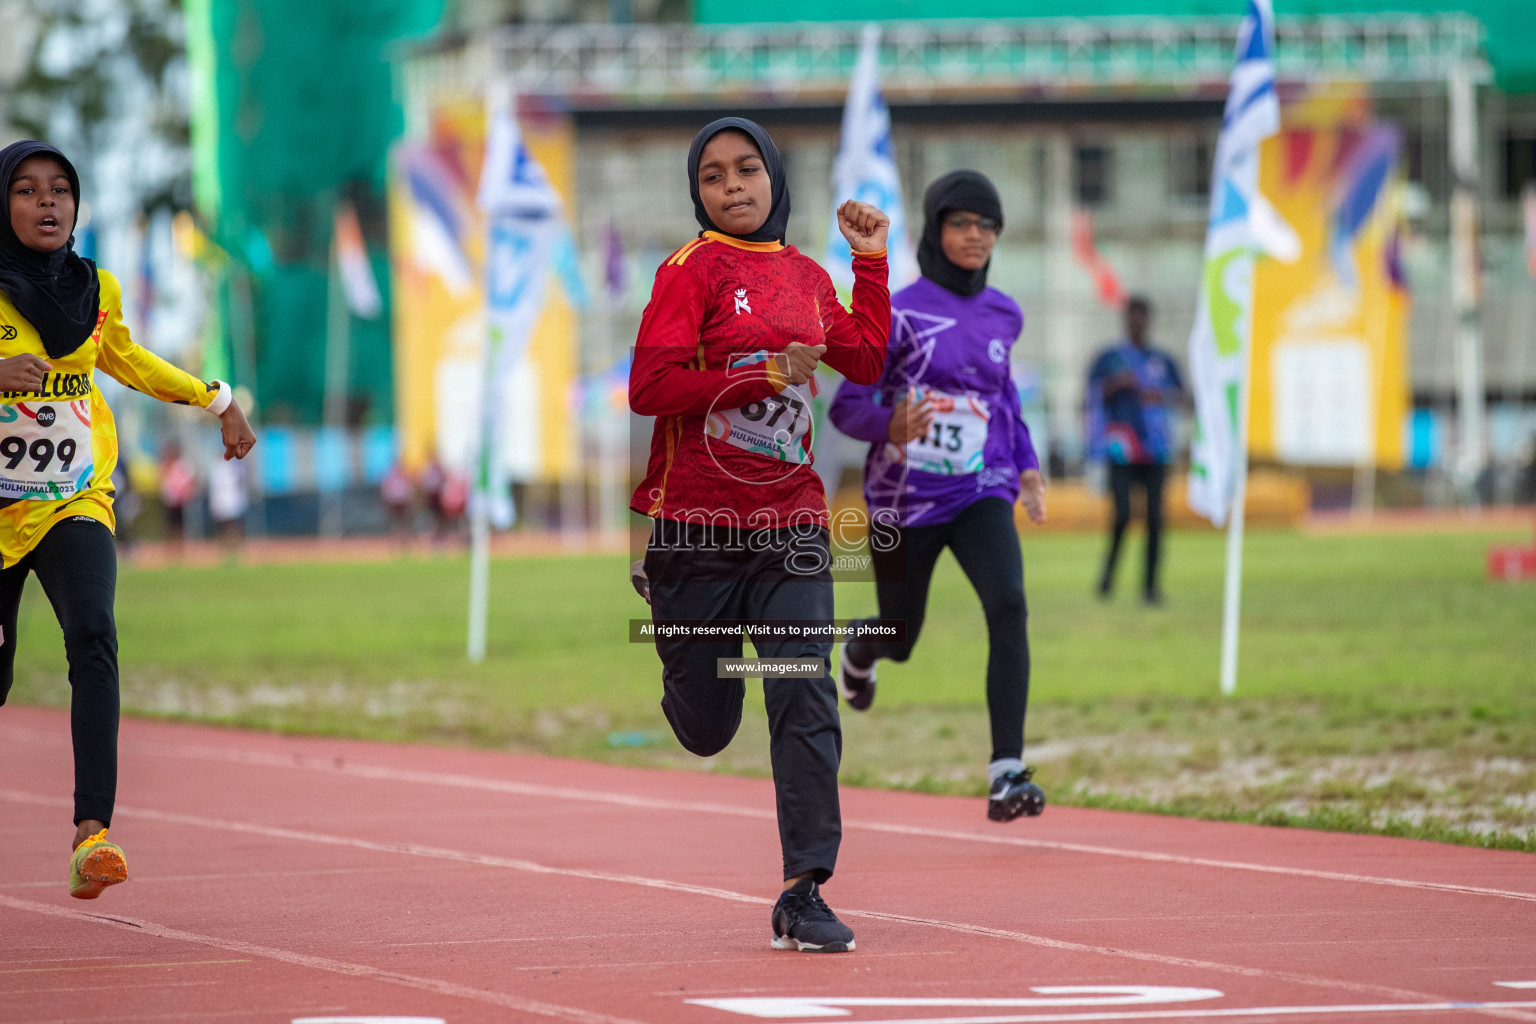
x=41, y=451
x=755, y=411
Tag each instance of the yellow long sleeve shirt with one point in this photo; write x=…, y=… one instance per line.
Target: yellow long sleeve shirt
x=58, y=445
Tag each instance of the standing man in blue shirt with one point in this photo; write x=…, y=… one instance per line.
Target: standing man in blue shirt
x=1130, y=388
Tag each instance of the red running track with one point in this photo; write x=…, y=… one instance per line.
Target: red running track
x=278, y=879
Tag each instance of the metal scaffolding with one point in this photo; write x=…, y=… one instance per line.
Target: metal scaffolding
x=926, y=62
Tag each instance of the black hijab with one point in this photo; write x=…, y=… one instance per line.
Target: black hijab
x=972, y=192
x=778, y=214
x=58, y=292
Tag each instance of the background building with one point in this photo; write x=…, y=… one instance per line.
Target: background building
x=1112, y=113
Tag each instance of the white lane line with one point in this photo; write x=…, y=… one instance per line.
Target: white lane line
x=337, y=766
x=487, y=860
x=1497, y=1009
x=434, y=985
x=117, y=967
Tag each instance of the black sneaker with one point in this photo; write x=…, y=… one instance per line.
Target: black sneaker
x=802, y=920
x=641, y=582
x=1013, y=795
x=858, y=685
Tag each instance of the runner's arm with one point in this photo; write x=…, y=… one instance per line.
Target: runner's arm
x=857, y=337
x=134, y=366
x=857, y=412
x=665, y=379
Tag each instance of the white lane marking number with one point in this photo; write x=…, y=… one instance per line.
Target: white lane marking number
x=1055, y=995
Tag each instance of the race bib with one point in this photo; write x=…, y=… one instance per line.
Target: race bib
x=45, y=450
x=954, y=442
x=775, y=427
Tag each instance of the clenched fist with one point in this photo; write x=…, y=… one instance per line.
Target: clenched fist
x=863, y=225
x=798, y=362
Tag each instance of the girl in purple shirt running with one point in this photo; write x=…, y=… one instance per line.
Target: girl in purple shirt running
x=949, y=455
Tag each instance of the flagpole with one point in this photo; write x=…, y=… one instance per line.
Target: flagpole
x=337, y=355
x=479, y=578
x=480, y=501
x=1233, y=595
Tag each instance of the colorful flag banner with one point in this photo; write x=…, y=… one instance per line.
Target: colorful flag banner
x=865, y=171
x=1086, y=252
x=1241, y=224
x=357, y=279
x=523, y=223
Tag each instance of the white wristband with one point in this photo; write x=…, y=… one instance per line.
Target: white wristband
x=221, y=398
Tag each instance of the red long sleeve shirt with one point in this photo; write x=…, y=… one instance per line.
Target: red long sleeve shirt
x=730, y=442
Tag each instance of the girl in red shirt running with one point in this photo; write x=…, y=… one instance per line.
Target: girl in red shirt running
x=737, y=324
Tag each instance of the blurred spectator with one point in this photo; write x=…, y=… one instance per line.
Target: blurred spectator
x=452, y=501
x=1130, y=387
x=432, y=480
x=227, y=502
x=178, y=486
x=395, y=490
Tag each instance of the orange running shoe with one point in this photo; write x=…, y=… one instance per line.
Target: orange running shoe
x=95, y=865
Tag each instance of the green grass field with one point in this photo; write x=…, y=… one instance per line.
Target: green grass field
x=1384, y=683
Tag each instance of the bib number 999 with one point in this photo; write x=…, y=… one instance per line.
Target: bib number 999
x=41, y=451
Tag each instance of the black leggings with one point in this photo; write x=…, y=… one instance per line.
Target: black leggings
x=699, y=574
x=1149, y=476
x=985, y=541
x=76, y=562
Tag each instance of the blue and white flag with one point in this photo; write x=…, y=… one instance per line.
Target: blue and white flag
x=1242, y=225
x=865, y=170
x=523, y=223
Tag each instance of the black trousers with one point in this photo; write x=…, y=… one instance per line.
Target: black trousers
x=985, y=541
x=703, y=574
x=1149, y=477
x=76, y=562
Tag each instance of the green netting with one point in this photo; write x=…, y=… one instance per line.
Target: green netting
x=303, y=111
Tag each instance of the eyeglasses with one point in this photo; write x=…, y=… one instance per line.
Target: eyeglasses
x=964, y=222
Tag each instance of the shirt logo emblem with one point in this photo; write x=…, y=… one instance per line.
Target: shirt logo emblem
x=7, y=333
x=741, y=301
x=997, y=350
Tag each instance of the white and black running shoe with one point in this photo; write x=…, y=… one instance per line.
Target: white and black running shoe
x=641, y=582
x=857, y=684
x=803, y=921
x=1014, y=795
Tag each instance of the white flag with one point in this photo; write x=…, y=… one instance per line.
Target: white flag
x=357, y=280
x=1241, y=224
x=865, y=170
x=522, y=213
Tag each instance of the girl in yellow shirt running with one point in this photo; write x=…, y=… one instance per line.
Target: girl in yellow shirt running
x=61, y=319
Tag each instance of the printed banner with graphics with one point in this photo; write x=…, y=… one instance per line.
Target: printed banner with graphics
x=1242, y=224
x=1330, y=369
x=439, y=239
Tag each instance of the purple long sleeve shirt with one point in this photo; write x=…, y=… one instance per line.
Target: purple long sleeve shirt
x=954, y=348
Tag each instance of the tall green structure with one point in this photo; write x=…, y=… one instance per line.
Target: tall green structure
x=294, y=109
